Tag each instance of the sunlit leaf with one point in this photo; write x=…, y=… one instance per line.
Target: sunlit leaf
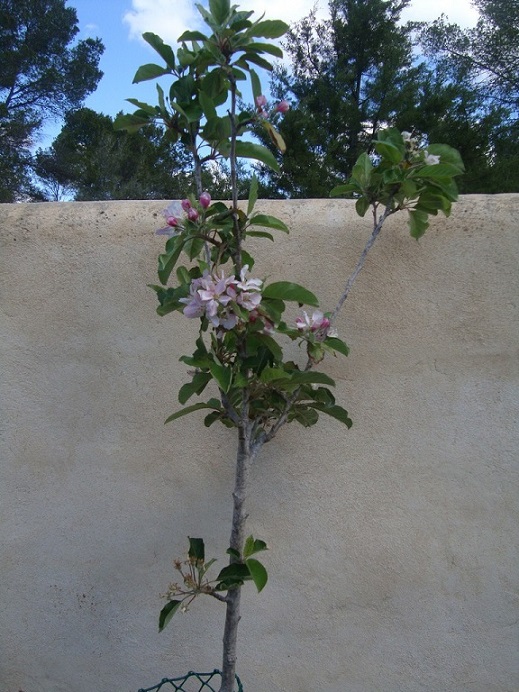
x=165, y=51
x=149, y=71
x=250, y=150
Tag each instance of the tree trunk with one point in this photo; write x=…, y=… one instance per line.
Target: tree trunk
x=232, y=617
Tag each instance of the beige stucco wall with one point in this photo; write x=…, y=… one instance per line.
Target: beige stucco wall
x=393, y=564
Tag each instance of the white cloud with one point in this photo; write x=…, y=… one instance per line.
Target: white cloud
x=167, y=18
x=460, y=12
x=170, y=18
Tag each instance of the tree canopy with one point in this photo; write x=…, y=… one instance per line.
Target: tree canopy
x=90, y=160
x=363, y=70
x=45, y=73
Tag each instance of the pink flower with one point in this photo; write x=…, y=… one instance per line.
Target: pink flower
x=171, y=214
x=282, y=106
x=186, y=204
x=261, y=101
x=214, y=297
x=315, y=323
x=192, y=214
x=205, y=199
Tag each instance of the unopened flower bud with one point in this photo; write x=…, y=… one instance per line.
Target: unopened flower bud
x=282, y=106
x=261, y=101
x=186, y=204
x=172, y=221
x=205, y=199
x=192, y=214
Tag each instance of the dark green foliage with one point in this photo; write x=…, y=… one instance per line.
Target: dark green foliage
x=478, y=72
x=90, y=160
x=347, y=78
x=44, y=73
x=357, y=73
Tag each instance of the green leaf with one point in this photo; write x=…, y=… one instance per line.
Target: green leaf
x=167, y=261
x=269, y=222
x=418, y=223
x=271, y=344
x=149, y=71
x=334, y=411
x=207, y=105
x=232, y=575
x=253, y=546
x=253, y=194
x=130, y=123
x=344, y=189
x=361, y=171
x=286, y=290
x=362, y=205
x=250, y=150
x=165, y=51
x=212, y=418
x=447, y=154
x=270, y=48
x=196, y=386
x=167, y=613
x=143, y=106
x=162, y=101
x=196, y=548
x=275, y=137
x=212, y=404
x=337, y=345
x=233, y=552
x=260, y=234
x=192, y=36
x=311, y=378
x=258, y=573
x=439, y=170
x=222, y=375
x=220, y=9
x=269, y=29
x=304, y=415
x=389, y=151
x=255, y=83
x=246, y=58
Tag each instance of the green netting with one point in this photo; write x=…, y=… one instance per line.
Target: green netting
x=192, y=682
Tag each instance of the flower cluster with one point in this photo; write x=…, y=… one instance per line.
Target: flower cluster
x=175, y=210
x=414, y=148
x=261, y=102
x=215, y=297
x=316, y=324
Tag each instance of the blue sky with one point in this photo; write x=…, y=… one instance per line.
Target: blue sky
x=120, y=23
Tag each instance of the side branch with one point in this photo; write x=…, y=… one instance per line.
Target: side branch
x=360, y=264
x=378, y=223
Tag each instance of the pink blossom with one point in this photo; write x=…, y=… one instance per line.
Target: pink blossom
x=192, y=214
x=171, y=214
x=282, y=106
x=214, y=296
x=261, y=101
x=315, y=323
x=205, y=199
x=186, y=204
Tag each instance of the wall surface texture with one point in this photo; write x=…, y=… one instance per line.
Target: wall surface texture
x=393, y=562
